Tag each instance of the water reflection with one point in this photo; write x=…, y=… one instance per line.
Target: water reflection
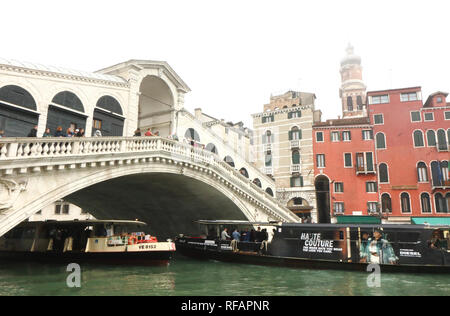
x=187, y=277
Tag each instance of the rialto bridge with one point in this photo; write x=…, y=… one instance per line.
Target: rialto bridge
x=163, y=182
x=207, y=174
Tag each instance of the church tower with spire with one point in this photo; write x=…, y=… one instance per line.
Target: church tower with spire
x=353, y=89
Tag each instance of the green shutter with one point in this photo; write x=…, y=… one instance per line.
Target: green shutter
x=301, y=181
x=300, y=134
x=292, y=182
x=289, y=115
x=290, y=135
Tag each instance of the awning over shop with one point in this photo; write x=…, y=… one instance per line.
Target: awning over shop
x=352, y=219
x=433, y=221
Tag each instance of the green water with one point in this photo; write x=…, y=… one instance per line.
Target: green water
x=187, y=277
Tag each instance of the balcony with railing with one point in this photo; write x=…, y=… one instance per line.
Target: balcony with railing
x=365, y=169
x=267, y=147
x=295, y=144
x=267, y=171
x=297, y=168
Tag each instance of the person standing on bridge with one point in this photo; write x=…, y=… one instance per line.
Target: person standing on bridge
x=149, y=132
x=33, y=132
x=2, y=133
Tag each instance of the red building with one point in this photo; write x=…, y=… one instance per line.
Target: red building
x=412, y=152
x=345, y=170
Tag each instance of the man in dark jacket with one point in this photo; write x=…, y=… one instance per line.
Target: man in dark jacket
x=33, y=132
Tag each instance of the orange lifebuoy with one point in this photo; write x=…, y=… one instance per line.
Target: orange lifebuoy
x=132, y=240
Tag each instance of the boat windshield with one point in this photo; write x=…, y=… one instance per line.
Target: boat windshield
x=440, y=239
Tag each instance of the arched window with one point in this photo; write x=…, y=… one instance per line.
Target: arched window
x=244, y=172
x=229, y=161
x=384, y=175
x=380, y=141
x=295, y=133
x=268, y=138
x=110, y=104
x=350, y=103
x=418, y=139
x=269, y=191
x=422, y=172
x=431, y=138
x=212, y=148
x=386, y=204
x=359, y=102
x=17, y=96
x=441, y=139
x=405, y=203
x=192, y=134
x=295, y=157
x=68, y=100
x=441, y=204
x=425, y=202
x=257, y=182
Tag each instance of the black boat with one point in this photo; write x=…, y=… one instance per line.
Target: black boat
x=91, y=241
x=393, y=248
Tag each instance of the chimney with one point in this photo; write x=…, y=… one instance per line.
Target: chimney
x=198, y=113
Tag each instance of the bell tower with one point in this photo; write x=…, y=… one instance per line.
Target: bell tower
x=353, y=89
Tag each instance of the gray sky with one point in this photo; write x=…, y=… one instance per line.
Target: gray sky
x=234, y=54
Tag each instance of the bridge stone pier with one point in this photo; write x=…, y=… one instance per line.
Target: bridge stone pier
x=166, y=183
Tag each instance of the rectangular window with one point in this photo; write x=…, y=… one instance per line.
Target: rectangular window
x=58, y=209
x=297, y=181
x=296, y=114
x=380, y=99
x=339, y=187
x=66, y=208
x=348, y=160
x=411, y=96
x=268, y=119
x=378, y=119
x=369, y=162
x=415, y=116
x=367, y=134
x=447, y=115
x=372, y=207
x=319, y=136
x=320, y=158
x=339, y=207
x=334, y=136
x=97, y=124
x=346, y=136
x=371, y=187
x=428, y=116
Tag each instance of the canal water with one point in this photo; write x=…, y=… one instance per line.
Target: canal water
x=186, y=277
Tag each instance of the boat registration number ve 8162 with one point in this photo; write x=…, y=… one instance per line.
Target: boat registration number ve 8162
x=145, y=247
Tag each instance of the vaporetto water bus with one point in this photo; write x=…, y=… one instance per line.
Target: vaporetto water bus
x=395, y=248
x=93, y=241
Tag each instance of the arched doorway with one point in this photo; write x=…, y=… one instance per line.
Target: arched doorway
x=212, y=148
x=257, y=182
x=322, y=185
x=108, y=117
x=156, y=104
x=269, y=191
x=66, y=110
x=17, y=111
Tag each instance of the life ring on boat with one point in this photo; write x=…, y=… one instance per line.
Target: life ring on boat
x=132, y=240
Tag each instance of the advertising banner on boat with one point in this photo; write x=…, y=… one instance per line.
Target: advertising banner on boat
x=325, y=245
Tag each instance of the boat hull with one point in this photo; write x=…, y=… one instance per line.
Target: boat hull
x=158, y=258
x=267, y=260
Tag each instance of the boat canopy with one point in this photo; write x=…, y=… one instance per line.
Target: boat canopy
x=236, y=222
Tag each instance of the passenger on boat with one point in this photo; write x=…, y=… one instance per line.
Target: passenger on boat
x=224, y=235
x=245, y=235
x=236, y=235
x=379, y=250
x=437, y=240
x=363, y=247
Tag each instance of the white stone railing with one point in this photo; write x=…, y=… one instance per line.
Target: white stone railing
x=23, y=152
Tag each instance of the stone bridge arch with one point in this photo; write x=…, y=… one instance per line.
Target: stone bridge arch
x=111, y=170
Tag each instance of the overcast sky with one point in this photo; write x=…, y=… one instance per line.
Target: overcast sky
x=234, y=54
